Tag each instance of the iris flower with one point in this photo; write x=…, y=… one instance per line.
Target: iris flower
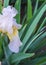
x=9, y=26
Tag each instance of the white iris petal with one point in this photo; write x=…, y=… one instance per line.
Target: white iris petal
x=15, y=44
x=18, y=26
x=9, y=11
x=6, y=23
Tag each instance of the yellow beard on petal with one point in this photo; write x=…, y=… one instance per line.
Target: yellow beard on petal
x=15, y=33
x=3, y=31
x=10, y=36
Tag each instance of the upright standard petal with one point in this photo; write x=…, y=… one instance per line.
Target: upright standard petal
x=6, y=24
x=9, y=11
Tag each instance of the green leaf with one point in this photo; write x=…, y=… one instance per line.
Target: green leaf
x=18, y=7
x=42, y=0
x=37, y=58
x=36, y=61
x=5, y=42
x=5, y=53
x=6, y=50
x=1, y=53
x=29, y=10
x=0, y=6
x=41, y=25
x=6, y=3
x=31, y=42
x=23, y=21
x=35, y=10
x=38, y=43
x=1, y=49
x=20, y=56
x=34, y=24
x=39, y=61
x=22, y=30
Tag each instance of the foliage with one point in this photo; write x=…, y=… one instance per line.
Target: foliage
x=32, y=34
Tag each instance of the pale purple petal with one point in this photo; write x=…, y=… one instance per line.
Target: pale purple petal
x=15, y=44
x=13, y=47
x=18, y=26
x=9, y=11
